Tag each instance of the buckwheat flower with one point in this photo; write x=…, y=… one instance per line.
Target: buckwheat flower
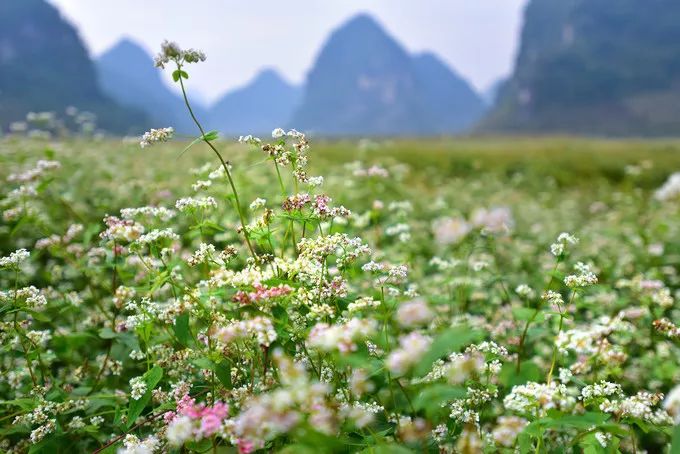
x=450, y=230
x=507, y=429
x=36, y=173
x=495, y=220
x=670, y=189
x=469, y=440
x=161, y=213
x=194, y=56
x=203, y=254
x=373, y=267
x=76, y=423
x=201, y=185
x=536, y=399
x=156, y=236
x=315, y=181
x=249, y=140
x=362, y=304
x=667, y=328
x=359, y=383
x=179, y=430
x=121, y=230
x=603, y=438
x=601, y=389
x=41, y=432
x=640, y=406
x=278, y=133
x=96, y=420
x=524, y=291
x=411, y=349
x=188, y=204
x=672, y=404
x=155, y=136
x=170, y=51
x=15, y=259
x=563, y=239
x=414, y=313
x=138, y=387
x=133, y=445
x=565, y=375
x=340, y=337
x=258, y=203
x=398, y=273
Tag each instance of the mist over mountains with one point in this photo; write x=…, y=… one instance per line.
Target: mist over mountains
x=362, y=83
x=583, y=66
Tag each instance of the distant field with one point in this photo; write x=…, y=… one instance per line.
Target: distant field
x=569, y=160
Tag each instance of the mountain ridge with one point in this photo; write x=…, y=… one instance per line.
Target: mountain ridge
x=363, y=82
x=44, y=66
x=590, y=67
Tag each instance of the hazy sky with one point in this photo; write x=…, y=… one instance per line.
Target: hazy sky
x=478, y=38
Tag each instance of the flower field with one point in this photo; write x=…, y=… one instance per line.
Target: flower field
x=283, y=295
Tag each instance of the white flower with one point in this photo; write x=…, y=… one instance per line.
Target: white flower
x=450, y=230
x=278, y=133
x=672, y=404
x=257, y=203
x=138, y=387
x=414, y=313
x=14, y=259
x=179, y=430
x=670, y=189
x=411, y=349
x=187, y=204
x=155, y=136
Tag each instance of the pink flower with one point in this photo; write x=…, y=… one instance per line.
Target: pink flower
x=210, y=424
x=245, y=446
x=261, y=293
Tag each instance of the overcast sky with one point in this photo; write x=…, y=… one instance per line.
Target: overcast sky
x=478, y=38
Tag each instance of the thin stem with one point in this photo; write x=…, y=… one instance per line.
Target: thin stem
x=522, y=339
x=224, y=166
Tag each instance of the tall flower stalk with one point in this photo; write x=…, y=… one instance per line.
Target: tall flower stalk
x=170, y=52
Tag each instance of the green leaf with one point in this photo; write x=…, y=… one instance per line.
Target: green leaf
x=675, y=443
x=107, y=333
x=151, y=378
x=181, y=329
x=529, y=371
x=298, y=449
x=211, y=135
x=526, y=313
x=449, y=341
x=387, y=449
x=179, y=73
x=203, y=363
x=433, y=396
x=223, y=373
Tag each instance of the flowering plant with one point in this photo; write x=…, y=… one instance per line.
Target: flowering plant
x=265, y=317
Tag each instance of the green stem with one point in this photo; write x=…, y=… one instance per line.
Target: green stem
x=224, y=166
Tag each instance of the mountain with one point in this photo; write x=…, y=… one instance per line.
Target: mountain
x=127, y=74
x=44, y=66
x=594, y=67
x=363, y=82
x=490, y=94
x=265, y=103
x=451, y=103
